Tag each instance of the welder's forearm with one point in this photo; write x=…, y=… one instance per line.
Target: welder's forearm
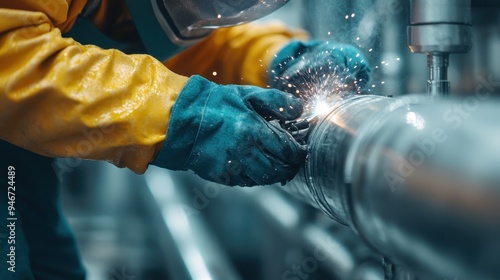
x=61, y=99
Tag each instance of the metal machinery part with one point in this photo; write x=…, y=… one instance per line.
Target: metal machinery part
x=412, y=179
x=438, y=28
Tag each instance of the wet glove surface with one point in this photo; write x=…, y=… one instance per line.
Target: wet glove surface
x=301, y=66
x=220, y=132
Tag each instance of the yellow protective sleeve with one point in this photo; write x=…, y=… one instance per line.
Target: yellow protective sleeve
x=236, y=55
x=59, y=98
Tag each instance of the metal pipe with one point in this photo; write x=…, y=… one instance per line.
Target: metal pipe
x=417, y=179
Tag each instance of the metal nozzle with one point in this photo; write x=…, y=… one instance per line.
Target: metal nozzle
x=438, y=84
x=437, y=29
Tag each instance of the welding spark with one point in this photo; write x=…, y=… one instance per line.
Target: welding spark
x=320, y=90
x=319, y=82
x=321, y=107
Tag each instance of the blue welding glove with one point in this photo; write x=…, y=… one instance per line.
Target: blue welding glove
x=304, y=65
x=221, y=133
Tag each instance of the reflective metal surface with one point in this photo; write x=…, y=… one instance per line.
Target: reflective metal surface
x=438, y=83
x=321, y=180
x=413, y=178
x=440, y=11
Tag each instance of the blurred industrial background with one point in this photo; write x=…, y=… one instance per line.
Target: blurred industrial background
x=172, y=225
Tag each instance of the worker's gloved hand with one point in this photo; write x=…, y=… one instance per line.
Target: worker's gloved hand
x=318, y=64
x=220, y=132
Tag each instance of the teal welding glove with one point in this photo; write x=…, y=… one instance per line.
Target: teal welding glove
x=221, y=133
x=305, y=65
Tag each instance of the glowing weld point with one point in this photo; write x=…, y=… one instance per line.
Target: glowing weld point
x=321, y=107
x=214, y=73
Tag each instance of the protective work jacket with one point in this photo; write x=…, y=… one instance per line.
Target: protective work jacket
x=60, y=98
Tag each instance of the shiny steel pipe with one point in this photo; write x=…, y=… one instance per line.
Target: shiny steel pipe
x=417, y=179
